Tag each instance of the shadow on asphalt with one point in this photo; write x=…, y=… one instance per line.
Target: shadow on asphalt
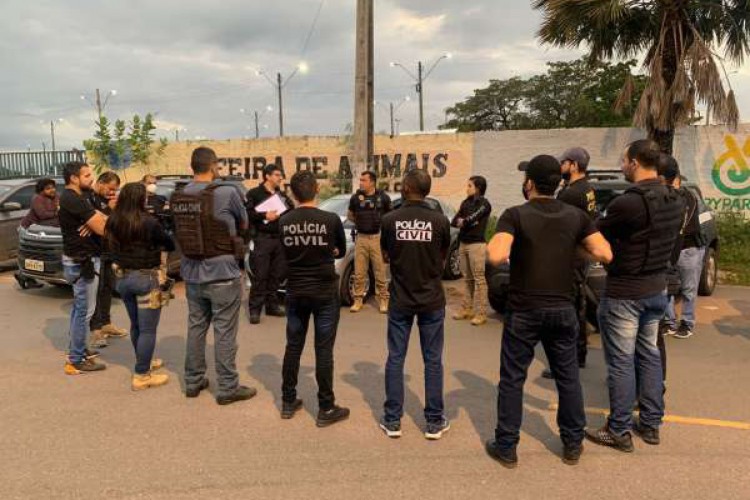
x=370, y=380
x=736, y=326
x=266, y=369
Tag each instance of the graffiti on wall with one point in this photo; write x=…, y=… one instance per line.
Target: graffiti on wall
x=731, y=176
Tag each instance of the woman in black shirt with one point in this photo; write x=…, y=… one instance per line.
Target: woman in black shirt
x=138, y=243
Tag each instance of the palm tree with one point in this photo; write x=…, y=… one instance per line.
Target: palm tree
x=680, y=40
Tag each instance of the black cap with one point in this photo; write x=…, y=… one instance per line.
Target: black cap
x=523, y=165
x=544, y=170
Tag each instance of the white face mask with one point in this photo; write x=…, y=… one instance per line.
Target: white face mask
x=151, y=188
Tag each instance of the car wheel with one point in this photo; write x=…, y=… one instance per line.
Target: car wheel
x=346, y=288
x=452, y=269
x=709, y=274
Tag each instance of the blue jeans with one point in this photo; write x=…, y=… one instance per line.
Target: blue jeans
x=431, y=334
x=689, y=266
x=557, y=329
x=134, y=289
x=325, y=313
x=84, y=303
x=630, y=329
x=216, y=303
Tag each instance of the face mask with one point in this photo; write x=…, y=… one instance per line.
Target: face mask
x=566, y=176
x=525, y=193
x=151, y=188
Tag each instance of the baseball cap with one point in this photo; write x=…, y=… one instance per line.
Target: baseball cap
x=578, y=155
x=544, y=170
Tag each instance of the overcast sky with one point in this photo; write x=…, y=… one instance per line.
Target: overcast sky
x=194, y=62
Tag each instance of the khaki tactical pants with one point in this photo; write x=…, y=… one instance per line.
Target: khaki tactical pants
x=471, y=259
x=367, y=251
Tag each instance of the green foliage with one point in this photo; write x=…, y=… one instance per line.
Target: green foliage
x=734, y=255
x=135, y=138
x=491, y=228
x=570, y=94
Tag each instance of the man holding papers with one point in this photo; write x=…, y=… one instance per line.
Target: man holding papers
x=265, y=204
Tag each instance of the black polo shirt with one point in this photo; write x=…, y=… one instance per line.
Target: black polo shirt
x=545, y=233
x=416, y=239
x=579, y=194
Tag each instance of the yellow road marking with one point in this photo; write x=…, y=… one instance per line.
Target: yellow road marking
x=706, y=422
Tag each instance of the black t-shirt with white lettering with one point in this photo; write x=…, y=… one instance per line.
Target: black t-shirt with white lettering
x=416, y=239
x=310, y=237
x=75, y=211
x=579, y=194
x=545, y=233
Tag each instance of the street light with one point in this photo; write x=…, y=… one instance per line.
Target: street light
x=419, y=78
x=392, y=108
x=97, y=103
x=257, y=117
x=279, y=85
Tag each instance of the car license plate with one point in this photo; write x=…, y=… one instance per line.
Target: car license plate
x=34, y=265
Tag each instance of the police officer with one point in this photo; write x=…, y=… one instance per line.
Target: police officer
x=366, y=209
x=577, y=191
x=104, y=200
x=268, y=257
x=415, y=241
x=312, y=240
x=642, y=225
x=541, y=238
x=209, y=218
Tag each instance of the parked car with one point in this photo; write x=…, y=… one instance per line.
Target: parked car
x=339, y=205
x=15, y=201
x=607, y=186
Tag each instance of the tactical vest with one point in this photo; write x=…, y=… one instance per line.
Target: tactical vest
x=649, y=250
x=200, y=235
x=136, y=255
x=367, y=219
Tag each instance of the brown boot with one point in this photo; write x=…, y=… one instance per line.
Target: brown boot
x=98, y=339
x=383, y=305
x=463, y=314
x=479, y=319
x=148, y=380
x=156, y=363
x=357, y=306
x=112, y=330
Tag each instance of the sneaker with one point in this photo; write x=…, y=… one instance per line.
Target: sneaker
x=98, y=339
x=194, y=392
x=605, y=437
x=111, y=330
x=242, y=393
x=148, y=380
x=357, y=306
x=156, y=364
x=666, y=329
x=649, y=435
x=254, y=318
x=478, y=320
x=289, y=409
x=506, y=456
x=547, y=373
x=276, y=311
x=683, y=332
x=331, y=416
x=383, y=302
x=572, y=454
x=90, y=353
x=391, y=429
x=435, y=430
x=463, y=314
x=87, y=365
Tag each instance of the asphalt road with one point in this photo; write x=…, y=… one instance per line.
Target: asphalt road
x=91, y=437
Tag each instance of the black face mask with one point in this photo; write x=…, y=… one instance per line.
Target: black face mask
x=566, y=177
x=525, y=193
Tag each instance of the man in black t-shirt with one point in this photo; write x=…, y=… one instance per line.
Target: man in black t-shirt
x=541, y=239
x=104, y=198
x=268, y=257
x=78, y=221
x=366, y=209
x=415, y=241
x=642, y=225
x=311, y=239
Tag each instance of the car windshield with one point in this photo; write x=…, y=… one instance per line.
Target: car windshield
x=604, y=197
x=338, y=205
x=4, y=189
x=164, y=190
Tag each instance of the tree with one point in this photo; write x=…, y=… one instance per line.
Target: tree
x=570, y=94
x=127, y=144
x=678, y=39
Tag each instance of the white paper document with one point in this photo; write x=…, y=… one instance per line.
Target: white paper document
x=272, y=204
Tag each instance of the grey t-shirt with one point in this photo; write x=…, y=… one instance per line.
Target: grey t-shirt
x=228, y=207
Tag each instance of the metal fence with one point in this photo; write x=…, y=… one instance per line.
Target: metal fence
x=36, y=163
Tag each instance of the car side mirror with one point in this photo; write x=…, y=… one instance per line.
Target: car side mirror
x=10, y=206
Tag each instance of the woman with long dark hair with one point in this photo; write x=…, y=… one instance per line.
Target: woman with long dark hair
x=138, y=245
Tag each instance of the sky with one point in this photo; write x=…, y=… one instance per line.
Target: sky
x=195, y=63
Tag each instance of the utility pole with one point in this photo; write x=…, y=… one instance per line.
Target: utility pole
x=363, y=92
x=393, y=129
x=52, y=132
x=257, y=128
x=280, y=87
x=98, y=105
x=420, y=91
